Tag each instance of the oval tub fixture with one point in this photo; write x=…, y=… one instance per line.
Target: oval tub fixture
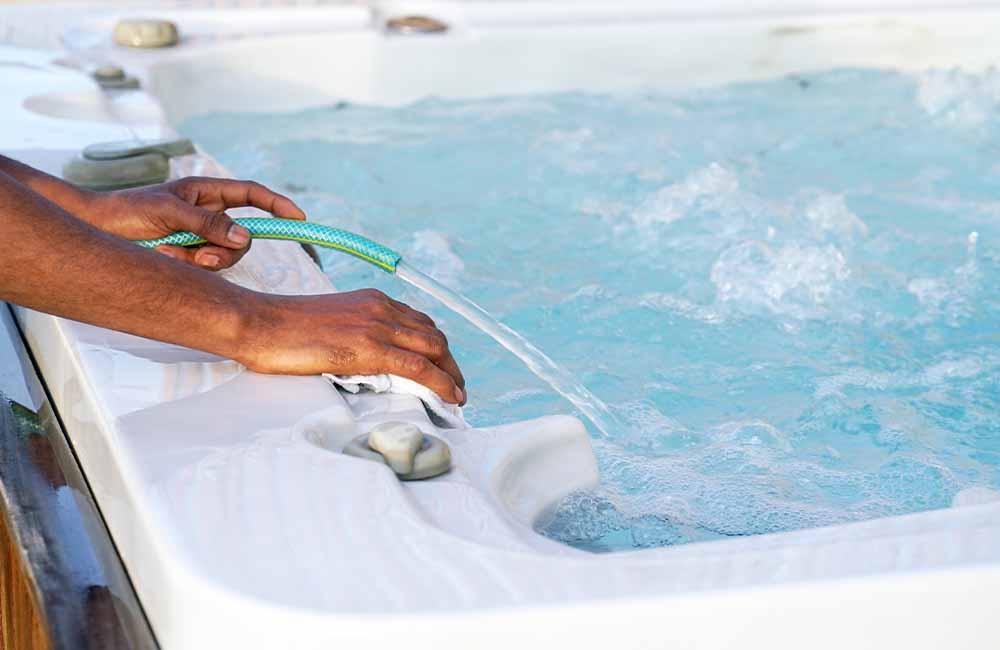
x=145, y=33
x=118, y=165
x=113, y=77
x=407, y=25
x=408, y=451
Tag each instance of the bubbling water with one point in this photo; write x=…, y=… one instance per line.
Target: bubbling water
x=787, y=291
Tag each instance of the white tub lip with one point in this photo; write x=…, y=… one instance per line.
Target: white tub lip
x=787, y=31
x=932, y=523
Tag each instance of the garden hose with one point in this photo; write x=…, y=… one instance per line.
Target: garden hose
x=300, y=231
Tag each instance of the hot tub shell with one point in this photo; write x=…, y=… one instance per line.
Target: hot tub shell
x=237, y=519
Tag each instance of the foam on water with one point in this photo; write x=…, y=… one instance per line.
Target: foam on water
x=788, y=291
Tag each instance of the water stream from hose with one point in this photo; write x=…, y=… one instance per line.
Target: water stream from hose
x=537, y=361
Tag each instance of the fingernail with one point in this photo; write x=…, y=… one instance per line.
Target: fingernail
x=209, y=260
x=459, y=395
x=238, y=234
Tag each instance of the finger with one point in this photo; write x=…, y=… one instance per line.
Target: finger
x=412, y=313
x=422, y=370
x=215, y=227
x=238, y=194
x=413, y=321
x=216, y=258
x=176, y=252
x=212, y=258
x=450, y=366
x=180, y=253
x=431, y=343
x=419, y=321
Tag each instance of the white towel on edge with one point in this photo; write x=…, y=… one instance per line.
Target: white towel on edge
x=441, y=413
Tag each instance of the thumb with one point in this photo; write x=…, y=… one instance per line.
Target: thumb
x=215, y=227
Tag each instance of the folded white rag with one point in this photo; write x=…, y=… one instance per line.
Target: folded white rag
x=441, y=413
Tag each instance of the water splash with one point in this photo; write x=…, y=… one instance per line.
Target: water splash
x=537, y=361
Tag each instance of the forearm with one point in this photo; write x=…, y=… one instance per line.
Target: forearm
x=55, y=263
x=69, y=197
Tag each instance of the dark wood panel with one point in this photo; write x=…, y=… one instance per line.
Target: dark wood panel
x=21, y=623
x=62, y=582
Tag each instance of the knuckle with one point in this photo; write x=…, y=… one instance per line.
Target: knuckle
x=370, y=337
x=380, y=331
x=437, y=344
x=414, y=364
x=187, y=186
x=378, y=305
x=211, y=221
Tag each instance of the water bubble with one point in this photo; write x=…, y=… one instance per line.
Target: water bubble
x=829, y=212
x=713, y=185
x=794, y=279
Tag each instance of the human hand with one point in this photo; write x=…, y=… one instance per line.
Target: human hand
x=197, y=204
x=355, y=333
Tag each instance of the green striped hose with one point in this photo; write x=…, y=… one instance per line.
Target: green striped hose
x=300, y=231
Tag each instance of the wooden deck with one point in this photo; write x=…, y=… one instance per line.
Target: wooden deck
x=62, y=584
x=21, y=623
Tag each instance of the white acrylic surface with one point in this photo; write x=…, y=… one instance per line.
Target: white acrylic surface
x=240, y=524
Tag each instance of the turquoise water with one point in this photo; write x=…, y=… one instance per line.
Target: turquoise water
x=787, y=291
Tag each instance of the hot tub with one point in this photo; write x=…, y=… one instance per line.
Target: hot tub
x=235, y=515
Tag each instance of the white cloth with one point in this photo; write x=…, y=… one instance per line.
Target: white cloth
x=442, y=414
